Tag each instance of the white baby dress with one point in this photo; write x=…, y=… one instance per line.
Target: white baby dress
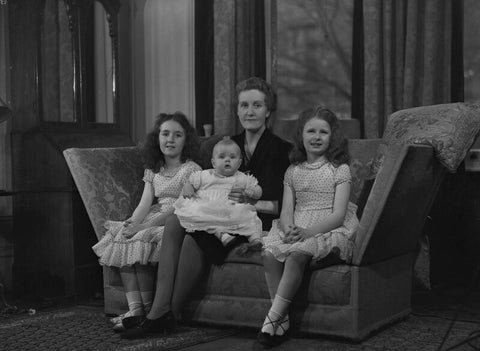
x=213, y=212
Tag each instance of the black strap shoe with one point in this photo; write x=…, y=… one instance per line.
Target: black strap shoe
x=162, y=325
x=132, y=321
x=268, y=340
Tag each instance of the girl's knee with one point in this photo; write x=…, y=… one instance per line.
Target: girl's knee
x=268, y=257
x=298, y=259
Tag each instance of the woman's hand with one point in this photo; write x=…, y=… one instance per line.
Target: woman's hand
x=249, y=248
x=238, y=195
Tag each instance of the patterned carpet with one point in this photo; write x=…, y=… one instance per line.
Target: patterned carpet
x=415, y=333
x=437, y=323
x=86, y=328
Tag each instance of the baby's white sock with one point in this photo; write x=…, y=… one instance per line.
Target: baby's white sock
x=226, y=238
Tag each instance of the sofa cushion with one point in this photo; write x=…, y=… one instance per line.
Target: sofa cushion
x=328, y=286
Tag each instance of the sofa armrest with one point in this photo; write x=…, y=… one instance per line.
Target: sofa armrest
x=109, y=181
x=398, y=204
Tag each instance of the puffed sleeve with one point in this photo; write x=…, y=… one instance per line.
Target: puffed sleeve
x=195, y=179
x=148, y=176
x=342, y=174
x=288, y=178
x=188, y=168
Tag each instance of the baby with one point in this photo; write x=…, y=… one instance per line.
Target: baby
x=205, y=205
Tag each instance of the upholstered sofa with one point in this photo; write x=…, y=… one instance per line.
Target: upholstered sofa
x=394, y=184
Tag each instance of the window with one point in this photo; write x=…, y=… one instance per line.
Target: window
x=314, y=58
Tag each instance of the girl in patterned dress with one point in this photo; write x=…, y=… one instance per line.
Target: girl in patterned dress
x=316, y=218
x=134, y=244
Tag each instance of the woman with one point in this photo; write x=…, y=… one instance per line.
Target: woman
x=183, y=258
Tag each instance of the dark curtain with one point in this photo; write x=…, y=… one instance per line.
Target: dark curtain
x=407, y=57
x=204, y=88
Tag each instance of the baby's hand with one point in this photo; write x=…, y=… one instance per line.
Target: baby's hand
x=188, y=193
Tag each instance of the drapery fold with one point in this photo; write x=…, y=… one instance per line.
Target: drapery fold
x=239, y=51
x=406, y=51
x=407, y=57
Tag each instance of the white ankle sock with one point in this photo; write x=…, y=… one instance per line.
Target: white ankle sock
x=276, y=315
x=283, y=325
x=135, y=306
x=270, y=323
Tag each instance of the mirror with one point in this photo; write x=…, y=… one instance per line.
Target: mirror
x=78, y=62
x=56, y=64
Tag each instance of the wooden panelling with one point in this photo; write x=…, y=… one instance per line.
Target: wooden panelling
x=6, y=251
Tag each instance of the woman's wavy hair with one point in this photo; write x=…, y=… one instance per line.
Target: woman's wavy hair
x=255, y=83
x=337, y=152
x=154, y=158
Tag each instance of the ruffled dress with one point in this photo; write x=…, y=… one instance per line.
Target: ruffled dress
x=213, y=212
x=314, y=187
x=114, y=249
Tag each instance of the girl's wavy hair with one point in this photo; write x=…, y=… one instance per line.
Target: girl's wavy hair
x=255, y=83
x=337, y=152
x=154, y=158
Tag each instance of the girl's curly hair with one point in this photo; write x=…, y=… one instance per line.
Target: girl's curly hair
x=154, y=158
x=337, y=152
